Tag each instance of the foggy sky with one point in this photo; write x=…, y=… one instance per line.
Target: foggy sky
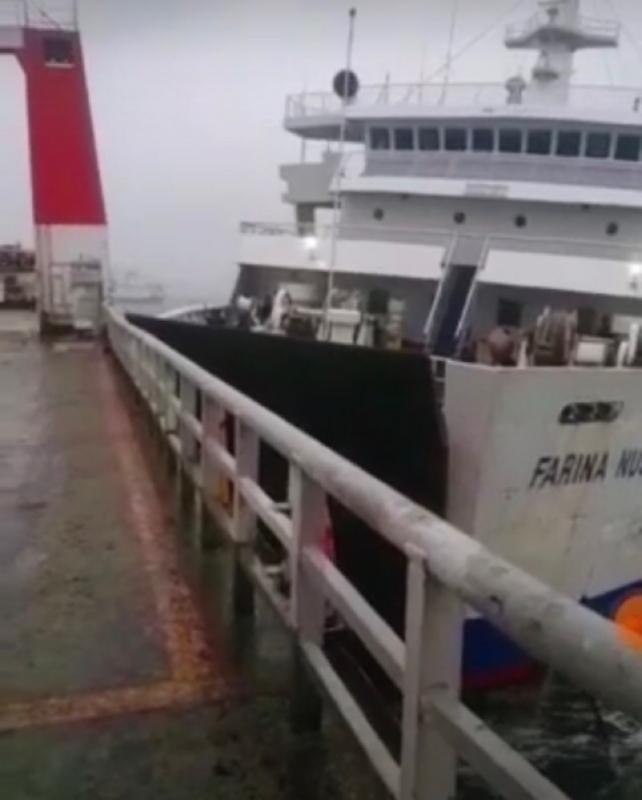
x=188, y=99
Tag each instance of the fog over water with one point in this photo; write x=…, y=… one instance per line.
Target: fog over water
x=188, y=98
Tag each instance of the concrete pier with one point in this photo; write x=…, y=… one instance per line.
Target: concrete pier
x=119, y=678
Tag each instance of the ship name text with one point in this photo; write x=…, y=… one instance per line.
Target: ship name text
x=579, y=468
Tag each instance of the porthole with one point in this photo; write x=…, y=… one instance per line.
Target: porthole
x=612, y=229
x=521, y=221
x=459, y=217
x=378, y=214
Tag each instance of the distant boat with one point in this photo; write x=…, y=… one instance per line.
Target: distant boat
x=133, y=291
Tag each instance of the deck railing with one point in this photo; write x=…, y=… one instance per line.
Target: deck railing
x=447, y=571
x=54, y=14
x=591, y=26
x=629, y=251
x=468, y=96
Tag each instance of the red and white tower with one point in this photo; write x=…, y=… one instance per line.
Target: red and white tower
x=68, y=206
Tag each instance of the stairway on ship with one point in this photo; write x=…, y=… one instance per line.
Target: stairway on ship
x=457, y=282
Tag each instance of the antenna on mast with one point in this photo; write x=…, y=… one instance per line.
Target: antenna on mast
x=346, y=85
x=451, y=44
x=558, y=32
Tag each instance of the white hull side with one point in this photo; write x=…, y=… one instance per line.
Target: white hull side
x=575, y=523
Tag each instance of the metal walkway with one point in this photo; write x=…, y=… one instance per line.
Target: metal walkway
x=109, y=685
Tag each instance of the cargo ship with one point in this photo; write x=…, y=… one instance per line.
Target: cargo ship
x=492, y=231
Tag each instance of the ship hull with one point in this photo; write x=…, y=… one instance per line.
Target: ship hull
x=492, y=661
x=543, y=466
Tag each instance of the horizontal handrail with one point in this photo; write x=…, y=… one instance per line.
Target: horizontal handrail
x=587, y=25
x=446, y=570
x=325, y=231
x=620, y=250
x=455, y=95
x=55, y=15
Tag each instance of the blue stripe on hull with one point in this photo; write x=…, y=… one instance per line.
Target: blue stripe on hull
x=492, y=660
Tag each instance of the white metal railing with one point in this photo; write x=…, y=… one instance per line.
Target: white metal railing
x=324, y=231
x=446, y=570
x=59, y=14
x=592, y=26
x=468, y=96
x=590, y=248
x=276, y=228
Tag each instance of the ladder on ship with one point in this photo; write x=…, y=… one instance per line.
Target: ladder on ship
x=451, y=304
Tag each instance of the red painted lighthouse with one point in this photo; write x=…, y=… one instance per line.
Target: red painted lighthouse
x=68, y=205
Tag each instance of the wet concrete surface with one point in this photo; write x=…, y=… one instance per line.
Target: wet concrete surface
x=117, y=678
x=65, y=543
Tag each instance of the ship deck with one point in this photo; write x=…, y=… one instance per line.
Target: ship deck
x=117, y=677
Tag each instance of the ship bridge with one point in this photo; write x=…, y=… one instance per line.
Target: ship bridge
x=545, y=130
x=428, y=180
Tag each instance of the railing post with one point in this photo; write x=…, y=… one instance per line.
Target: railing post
x=307, y=604
x=191, y=449
x=159, y=397
x=244, y=521
x=247, y=466
x=434, y=620
x=213, y=423
x=179, y=472
x=189, y=444
x=168, y=413
x=134, y=364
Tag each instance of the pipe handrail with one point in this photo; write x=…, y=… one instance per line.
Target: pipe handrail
x=609, y=667
x=447, y=571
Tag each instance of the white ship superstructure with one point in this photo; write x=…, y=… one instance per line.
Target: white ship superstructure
x=470, y=205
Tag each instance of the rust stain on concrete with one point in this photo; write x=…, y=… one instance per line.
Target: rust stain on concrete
x=193, y=677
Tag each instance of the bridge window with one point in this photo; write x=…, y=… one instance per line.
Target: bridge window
x=429, y=139
x=510, y=140
x=483, y=140
x=627, y=147
x=569, y=143
x=598, y=145
x=456, y=139
x=539, y=142
x=404, y=139
x=58, y=51
x=380, y=139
